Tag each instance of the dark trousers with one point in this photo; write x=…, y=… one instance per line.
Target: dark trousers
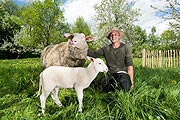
x=120, y=81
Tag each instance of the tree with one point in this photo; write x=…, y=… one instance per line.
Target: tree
x=10, y=7
x=9, y=26
x=80, y=26
x=169, y=40
x=114, y=14
x=137, y=40
x=171, y=12
x=153, y=41
x=8, y=22
x=43, y=24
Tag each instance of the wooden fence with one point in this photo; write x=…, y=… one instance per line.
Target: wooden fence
x=160, y=58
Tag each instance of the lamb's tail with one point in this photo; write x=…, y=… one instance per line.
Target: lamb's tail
x=40, y=83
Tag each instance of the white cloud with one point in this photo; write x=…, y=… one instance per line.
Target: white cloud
x=148, y=18
x=84, y=8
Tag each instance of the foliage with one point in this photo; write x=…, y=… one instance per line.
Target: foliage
x=30, y=28
x=9, y=26
x=10, y=7
x=8, y=23
x=80, y=26
x=170, y=40
x=153, y=41
x=155, y=97
x=43, y=24
x=137, y=39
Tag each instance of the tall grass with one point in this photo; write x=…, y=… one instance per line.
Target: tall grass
x=156, y=96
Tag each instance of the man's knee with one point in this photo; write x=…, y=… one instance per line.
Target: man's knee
x=125, y=82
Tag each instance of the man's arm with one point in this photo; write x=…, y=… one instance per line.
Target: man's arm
x=131, y=74
x=95, y=54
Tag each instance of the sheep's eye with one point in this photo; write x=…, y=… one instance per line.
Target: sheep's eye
x=99, y=63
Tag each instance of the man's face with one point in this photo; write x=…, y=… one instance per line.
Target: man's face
x=115, y=36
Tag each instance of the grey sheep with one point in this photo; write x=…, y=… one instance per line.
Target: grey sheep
x=72, y=53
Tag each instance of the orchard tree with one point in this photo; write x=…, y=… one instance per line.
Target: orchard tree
x=170, y=40
x=114, y=14
x=80, y=26
x=43, y=24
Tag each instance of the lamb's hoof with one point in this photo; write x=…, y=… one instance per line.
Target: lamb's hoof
x=79, y=110
x=40, y=115
x=60, y=105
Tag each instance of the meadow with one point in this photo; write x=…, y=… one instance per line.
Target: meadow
x=156, y=96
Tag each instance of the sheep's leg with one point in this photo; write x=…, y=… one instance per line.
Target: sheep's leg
x=54, y=95
x=79, y=92
x=43, y=97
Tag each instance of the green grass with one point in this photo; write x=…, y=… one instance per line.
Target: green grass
x=156, y=96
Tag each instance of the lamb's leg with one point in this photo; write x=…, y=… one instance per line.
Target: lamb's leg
x=79, y=92
x=54, y=95
x=45, y=93
x=43, y=98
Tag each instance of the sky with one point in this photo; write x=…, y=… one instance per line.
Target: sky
x=84, y=8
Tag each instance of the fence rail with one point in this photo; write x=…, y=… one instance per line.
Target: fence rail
x=160, y=58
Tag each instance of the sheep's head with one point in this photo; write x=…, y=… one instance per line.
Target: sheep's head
x=99, y=64
x=78, y=40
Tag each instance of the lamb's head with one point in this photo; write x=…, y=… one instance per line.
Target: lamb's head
x=99, y=64
x=78, y=40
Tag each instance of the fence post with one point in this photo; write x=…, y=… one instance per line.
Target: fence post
x=160, y=58
x=144, y=57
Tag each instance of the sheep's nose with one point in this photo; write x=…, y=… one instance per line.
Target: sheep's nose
x=106, y=70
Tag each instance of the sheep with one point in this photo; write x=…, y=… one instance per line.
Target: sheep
x=79, y=78
x=72, y=53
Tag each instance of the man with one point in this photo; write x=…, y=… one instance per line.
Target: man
x=119, y=62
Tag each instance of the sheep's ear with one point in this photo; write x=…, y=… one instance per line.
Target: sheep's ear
x=90, y=58
x=68, y=35
x=89, y=38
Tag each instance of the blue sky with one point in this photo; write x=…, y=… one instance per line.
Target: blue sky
x=149, y=17
x=22, y=2
x=19, y=2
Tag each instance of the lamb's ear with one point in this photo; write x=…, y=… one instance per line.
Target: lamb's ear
x=68, y=35
x=90, y=58
x=89, y=38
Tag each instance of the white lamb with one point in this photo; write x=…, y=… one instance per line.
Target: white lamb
x=55, y=77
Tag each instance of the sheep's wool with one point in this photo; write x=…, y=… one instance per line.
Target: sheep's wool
x=64, y=55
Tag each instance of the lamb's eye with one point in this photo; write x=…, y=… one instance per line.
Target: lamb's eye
x=99, y=63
